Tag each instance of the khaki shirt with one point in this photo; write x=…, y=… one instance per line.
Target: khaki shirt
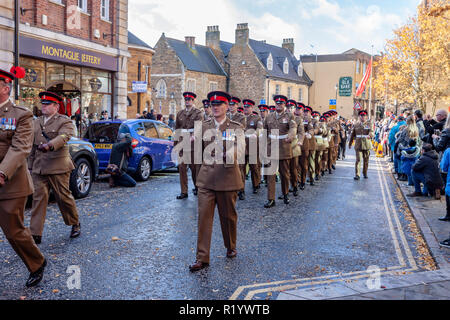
x=59, y=129
x=15, y=146
x=221, y=176
x=287, y=128
x=362, y=133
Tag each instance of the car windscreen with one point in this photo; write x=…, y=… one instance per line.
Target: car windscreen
x=102, y=132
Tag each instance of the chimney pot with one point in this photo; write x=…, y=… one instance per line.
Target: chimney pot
x=190, y=41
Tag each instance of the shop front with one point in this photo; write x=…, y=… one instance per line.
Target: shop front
x=83, y=78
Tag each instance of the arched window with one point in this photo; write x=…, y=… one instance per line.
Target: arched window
x=162, y=89
x=286, y=66
x=270, y=62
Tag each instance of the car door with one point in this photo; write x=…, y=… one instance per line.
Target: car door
x=103, y=136
x=152, y=144
x=165, y=139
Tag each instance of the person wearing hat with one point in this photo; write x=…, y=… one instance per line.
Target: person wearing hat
x=51, y=166
x=335, y=135
x=319, y=144
x=263, y=111
x=207, y=109
x=272, y=109
x=362, y=133
x=16, y=140
x=252, y=131
x=328, y=153
x=184, y=125
x=297, y=145
x=281, y=129
x=323, y=147
x=219, y=179
x=234, y=115
x=308, y=147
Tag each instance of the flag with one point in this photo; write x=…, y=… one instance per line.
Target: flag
x=364, y=80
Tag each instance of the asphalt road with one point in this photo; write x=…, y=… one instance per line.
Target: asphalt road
x=137, y=243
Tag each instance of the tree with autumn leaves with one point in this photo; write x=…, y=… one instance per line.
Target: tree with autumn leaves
x=414, y=70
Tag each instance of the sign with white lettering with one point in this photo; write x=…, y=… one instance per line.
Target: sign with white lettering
x=345, y=86
x=139, y=86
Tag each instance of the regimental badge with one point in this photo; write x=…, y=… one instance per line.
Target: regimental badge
x=285, y=120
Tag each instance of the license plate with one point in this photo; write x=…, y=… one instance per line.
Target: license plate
x=103, y=146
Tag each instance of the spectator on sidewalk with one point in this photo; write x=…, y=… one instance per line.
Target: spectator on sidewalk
x=426, y=171
x=409, y=157
x=411, y=132
x=118, y=162
x=392, y=133
x=445, y=164
x=171, y=122
x=442, y=142
x=432, y=125
x=418, y=115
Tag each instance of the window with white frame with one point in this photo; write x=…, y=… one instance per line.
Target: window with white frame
x=190, y=85
x=300, y=69
x=213, y=86
x=161, y=87
x=289, y=93
x=277, y=89
x=300, y=94
x=286, y=66
x=104, y=9
x=82, y=5
x=270, y=62
x=357, y=66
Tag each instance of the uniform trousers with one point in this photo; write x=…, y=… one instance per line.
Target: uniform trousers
x=66, y=203
x=226, y=205
x=365, y=154
x=255, y=171
x=318, y=162
x=11, y=222
x=312, y=164
x=324, y=162
x=294, y=167
x=284, y=169
x=330, y=158
x=304, y=165
x=182, y=168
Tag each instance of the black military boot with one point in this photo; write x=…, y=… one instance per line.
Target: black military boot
x=286, y=199
x=311, y=182
x=255, y=190
x=317, y=177
x=302, y=186
x=241, y=195
x=36, y=277
x=330, y=171
x=76, y=231
x=182, y=196
x=295, y=193
x=195, y=191
x=270, y=204
x=333, y=167
x=323, y=173
x=356, y=178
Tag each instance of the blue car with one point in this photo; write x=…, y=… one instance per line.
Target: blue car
x=152, y=144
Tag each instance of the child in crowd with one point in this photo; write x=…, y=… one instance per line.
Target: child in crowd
x=409, y=156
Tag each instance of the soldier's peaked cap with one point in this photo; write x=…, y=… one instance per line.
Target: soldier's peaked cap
x=48, y=97
x=248, y=102
x=280, y=99
x=272, y=107
x=300, y=105
x=263, y=106
x=188, y=94
x=308, y=108
x=205, y=102
x=315, y=113
x=218, y=97
x=291, y=103
x=362, y=113
x=323, y=118
x=235, y=100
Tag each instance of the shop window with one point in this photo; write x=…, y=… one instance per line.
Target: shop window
x=72, y=75
x=34, y=72
x=55, y=74
x=29, y=97
x=95, y=103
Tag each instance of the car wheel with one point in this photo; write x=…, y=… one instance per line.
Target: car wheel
x=144, y=169
x=81, y=179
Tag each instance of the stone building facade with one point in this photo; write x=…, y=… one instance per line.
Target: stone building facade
x=180, y=66
x=139, y=69
x=78, y=49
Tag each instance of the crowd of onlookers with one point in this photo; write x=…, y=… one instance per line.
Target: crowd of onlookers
x=419, y=148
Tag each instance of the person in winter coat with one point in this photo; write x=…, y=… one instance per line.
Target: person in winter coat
x=426, y=171
x=442, y=142
x=409, y=157
x=445, y=164
x=392, y=133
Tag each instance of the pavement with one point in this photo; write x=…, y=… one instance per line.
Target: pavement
x=137, y=243
x=425, y=285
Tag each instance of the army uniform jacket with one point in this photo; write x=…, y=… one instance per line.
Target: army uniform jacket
x=222, y=176
x=297, y=143
x=287, y=128
x=362, y=133
x=254, y=122
x=335, y=129
x=16, y=140
x=325, y=134
x=59, y=129
x=309, y=144
x=238, y=117
x=185, y=123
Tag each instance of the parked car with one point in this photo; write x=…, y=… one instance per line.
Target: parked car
x=86, y=165
x=152, y=144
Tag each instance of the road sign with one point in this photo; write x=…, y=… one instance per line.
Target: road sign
x=332, y=104
x=262, y=101
x=139, y=86
x=357, y=106
x=345, y=86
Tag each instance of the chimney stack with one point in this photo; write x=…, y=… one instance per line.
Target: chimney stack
x=288, y=44
x=190, y=42
x=242, y=34
x=213, y=37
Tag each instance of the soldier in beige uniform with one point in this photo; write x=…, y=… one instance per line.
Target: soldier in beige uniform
x=207, y=110
x=335, y=128
x=239, y=117
x=287, y=130
x=253, y=129
x=219, y=180
x=263, y=112
x=322, y=147
x=51, y=166
x=185, y=121
x=362, y=133
x=313, y=148
x=16, y=139
x=296, y=146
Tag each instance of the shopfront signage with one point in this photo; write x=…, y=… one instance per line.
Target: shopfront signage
x=139, y=86
x=345, y=86
x=57, y=52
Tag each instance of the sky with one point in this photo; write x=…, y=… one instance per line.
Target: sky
x=317, y=26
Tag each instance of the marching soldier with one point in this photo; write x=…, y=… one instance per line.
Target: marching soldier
x=51, y=166
x=239, y=117
x=319, y=144
x=254, y=123
x=16, y=140
x=272, y=109
x=309, y=144
x=331, y=139
x=362, y=132
x=207, y=110
x=323, y=148
x=263, y=111
x=219, y=182
x=296, y=146
x=287, y=129
x=185, y=122
x=336, y=138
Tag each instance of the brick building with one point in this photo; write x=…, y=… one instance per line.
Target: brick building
x=180, y=66
x=77, y=48
x=139, y=68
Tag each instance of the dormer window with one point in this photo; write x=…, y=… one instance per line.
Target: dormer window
x=286, y=66
x=300, y=69
x=270, y=62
